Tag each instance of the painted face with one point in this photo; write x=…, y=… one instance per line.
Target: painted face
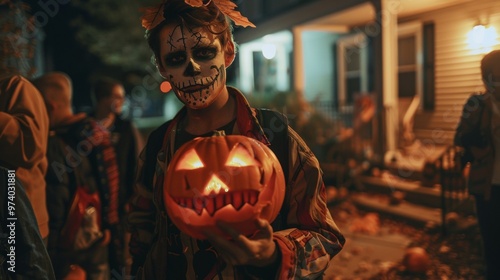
x=193, y=61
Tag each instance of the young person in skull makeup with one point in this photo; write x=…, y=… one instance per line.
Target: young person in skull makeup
x=193, y=46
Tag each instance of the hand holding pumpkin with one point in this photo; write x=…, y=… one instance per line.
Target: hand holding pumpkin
x=256, y=250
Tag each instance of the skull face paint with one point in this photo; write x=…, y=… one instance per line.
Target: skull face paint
x=193, y=62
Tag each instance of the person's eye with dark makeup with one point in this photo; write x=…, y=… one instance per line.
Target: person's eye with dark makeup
x=205, y=53
x=175, y=59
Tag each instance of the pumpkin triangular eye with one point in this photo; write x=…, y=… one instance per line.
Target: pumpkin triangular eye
x=189, y=161
x=240, y=156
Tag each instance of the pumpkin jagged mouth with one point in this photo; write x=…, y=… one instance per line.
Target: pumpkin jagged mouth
x=212, y=203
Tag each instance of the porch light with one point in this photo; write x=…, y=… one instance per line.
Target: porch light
x=481, y=39
x=269, y=50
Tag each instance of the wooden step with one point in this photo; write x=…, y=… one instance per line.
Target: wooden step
x=418, y=215
x=416, y=193
x=414, y=213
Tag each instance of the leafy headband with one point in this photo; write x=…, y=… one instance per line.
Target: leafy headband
x=154, y=15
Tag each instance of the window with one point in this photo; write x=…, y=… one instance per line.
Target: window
x=410, y=68
x=352, y=61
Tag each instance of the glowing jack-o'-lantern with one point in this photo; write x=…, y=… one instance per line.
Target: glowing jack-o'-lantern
x=231, y=178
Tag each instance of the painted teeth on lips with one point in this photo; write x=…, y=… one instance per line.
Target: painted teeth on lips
x=194, y=88
x=198, y=86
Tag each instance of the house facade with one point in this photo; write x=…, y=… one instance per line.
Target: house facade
x=417, y=60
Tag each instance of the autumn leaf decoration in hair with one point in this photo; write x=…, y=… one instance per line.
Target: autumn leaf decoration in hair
x=154, y=15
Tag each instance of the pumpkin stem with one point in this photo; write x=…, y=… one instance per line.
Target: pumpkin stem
x=219, y=133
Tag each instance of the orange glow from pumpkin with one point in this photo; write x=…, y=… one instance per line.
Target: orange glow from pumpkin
x=190, y=161
x=240, y=156
x=215, y=186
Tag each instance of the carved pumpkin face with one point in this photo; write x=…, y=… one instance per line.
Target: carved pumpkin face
x=231, y=178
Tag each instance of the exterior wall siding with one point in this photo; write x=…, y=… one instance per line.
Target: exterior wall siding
x=457, y=68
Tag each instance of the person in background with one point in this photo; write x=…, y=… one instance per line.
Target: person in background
x=108, y=96
x=82, y=168
x=24, y=123
x=478, y=132
x=19, y=235
x=24, y=128
x=23, y=143
x=193, y=46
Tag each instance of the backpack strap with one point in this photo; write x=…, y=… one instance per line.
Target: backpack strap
x=153, y=146
x=155, y=141
x=275, y=126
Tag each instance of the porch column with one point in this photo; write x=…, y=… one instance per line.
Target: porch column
x=298, y=62
x=388, y=19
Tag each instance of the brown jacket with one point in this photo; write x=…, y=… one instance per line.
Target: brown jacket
x=24, y=128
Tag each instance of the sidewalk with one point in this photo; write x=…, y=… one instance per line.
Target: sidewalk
x=365, y=255
x=376, y=243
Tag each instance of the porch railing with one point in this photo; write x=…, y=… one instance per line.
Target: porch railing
x=453, y=183
x=329, y=110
